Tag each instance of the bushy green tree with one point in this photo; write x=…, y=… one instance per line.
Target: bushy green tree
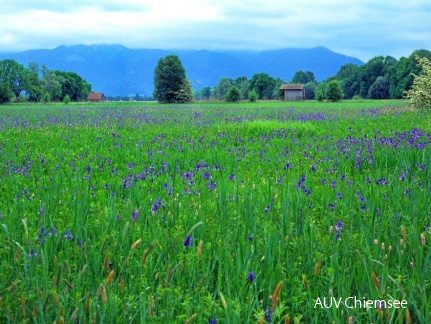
x=320, y=91
x=252, y=96
x=5, y=93
x=303, y=77
x=66, y=99
x=333, y=91
x=51, y=84
x=206, y=93
x=379, y=89
x=349, y=78
x=33, y=88
x=223, y=87
x=310, y=89
x=233, y=94
x=170, y=83
x=263, y=84
x=420, y=92
x=46, y=97
x=15, y=75
x=242, y=84
x=369, y=72
x=319, y=95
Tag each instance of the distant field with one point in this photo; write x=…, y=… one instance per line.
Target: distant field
x=215, y=213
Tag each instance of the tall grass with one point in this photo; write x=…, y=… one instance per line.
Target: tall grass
x=212, y=212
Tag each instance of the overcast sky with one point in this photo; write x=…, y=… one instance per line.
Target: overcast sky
x=359, y=28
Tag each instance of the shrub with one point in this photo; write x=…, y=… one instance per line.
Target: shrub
x=333, y=91
x=46, y=97
x=233, y=95
x=252, y=96
x=66, y=99
x=319, y=95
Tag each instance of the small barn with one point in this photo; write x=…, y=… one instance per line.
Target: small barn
x=96, y=97
x=293, y=92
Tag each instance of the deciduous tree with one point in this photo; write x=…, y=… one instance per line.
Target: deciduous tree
x=233, y=95
x=333, y=91
x=170, y=83
x=420, y=92
x=15, y=75
x=303, y=77
x=223, y=87
x=263, y=84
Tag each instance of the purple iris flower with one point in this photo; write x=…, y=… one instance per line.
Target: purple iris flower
x=250, y=277
x=188, y=241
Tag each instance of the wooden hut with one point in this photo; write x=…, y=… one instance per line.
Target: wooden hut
x=96, y=97
x=293, y=92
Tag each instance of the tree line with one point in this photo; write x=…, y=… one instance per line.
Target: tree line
x=379, y=78
x=35, y=84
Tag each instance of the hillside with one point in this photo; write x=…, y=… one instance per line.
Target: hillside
x=117, y=70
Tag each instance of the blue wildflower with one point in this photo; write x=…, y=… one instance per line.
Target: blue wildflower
x=250, y=277
x=339, y=226
x=188, y=241
x=31, y=254
x=211, y=186
x=268, y=315
x=68, y=235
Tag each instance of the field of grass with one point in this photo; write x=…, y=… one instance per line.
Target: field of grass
x=215, y=213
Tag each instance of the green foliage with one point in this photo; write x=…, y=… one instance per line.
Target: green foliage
x=15, y=75
x=303, y=77
x=252, y=96
x=362, y=80
x=379, y=89
x=46, y=97
x=263, y=84
x=319, y=95
x=170, y=83
x=56, y=83
x=73, y=85
x=223, y=87
x=310, y=89
x=277, y=93
x=242, y=84
x=348, y=76
x=233, y=94
x=185, y=93
x=333, y=91
x=420, y=92
x=5, y=93
x=260, y=189
x=66, y=99
x=320, y=91
x=204, y=93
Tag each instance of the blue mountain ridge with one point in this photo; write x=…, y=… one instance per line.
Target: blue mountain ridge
x=118, y=70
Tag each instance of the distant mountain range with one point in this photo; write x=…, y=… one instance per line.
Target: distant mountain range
x=117, y=70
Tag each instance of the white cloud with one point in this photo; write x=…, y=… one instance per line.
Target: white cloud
x=365, y=28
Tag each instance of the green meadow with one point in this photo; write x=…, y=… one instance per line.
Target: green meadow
x=215, y=213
